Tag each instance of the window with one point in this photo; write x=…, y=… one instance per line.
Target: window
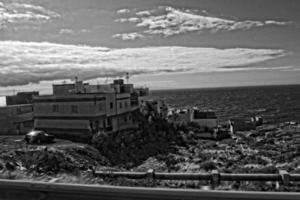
x=111, y=105
x=126, y=104
x=120, y=105
x=55, y=108
x=109, y=122
x=28, y=124
x=125, y=118
x=100, y=106
x=74, y=109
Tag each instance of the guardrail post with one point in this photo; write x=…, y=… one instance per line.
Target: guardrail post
x=285, y=177
x=151, y=177
x=215, y=178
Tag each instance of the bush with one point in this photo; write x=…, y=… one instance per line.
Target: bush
x=208, y=165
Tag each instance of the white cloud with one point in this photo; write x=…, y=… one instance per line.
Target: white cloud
x=272, y=22
x=129, y=36
x=16, y=13
x=123, y=11
x=85, y=31
x=66, y=31
x=173, y=21
x=143, y=13
x=131, y=19
x=25, y=62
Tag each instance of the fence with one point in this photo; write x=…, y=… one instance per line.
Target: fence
x=215, y=177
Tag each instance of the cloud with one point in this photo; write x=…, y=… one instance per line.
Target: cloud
x=170, y=21
x=123, y=11
x=66, y=31
x=30, y=62
x=85, y=31
x=131, y=19
x=272, y=22
x=129, y=36
x=16, y=13
x=143, y=13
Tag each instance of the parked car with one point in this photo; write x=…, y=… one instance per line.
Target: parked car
x=38, y=137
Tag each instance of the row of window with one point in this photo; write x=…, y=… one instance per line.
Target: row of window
x=74, y=108
x=121, y=104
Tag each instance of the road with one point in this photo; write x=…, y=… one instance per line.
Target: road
x=25, y=190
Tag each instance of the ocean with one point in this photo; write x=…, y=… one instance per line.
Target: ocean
x=275, y=104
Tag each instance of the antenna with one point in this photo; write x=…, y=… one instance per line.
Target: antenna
x=127, y=77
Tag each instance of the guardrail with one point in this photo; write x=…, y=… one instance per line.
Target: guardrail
x=215, y=177
x=23, y=190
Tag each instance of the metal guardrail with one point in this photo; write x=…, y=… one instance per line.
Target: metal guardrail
x=23, y=190
x=215, y=177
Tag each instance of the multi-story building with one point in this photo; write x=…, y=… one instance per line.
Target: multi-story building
x=86, y=109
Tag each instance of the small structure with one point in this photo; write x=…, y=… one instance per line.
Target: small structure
x=153, y=107
x=179, y=116
x=142, y=91
x=16, y=119
x=257, y=120
x=241, y=125
x=204, y=119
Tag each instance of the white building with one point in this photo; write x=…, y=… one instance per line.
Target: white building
x=81, y=108
x=205, y=119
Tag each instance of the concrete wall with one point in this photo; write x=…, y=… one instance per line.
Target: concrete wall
x=21, y=98
x=209, y=123
x=16, y=119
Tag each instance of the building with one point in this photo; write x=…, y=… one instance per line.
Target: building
x=241, y=125
x=16, y=119
x=142, y=91
x=179, y=116
x=155, y=107
x=80, y=108
x=21, y=98
x=204, y=119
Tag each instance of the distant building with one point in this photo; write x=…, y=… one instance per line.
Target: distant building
x=179, y=116
x=16, y=119
x=241, y=125
x=257, y=120
x=205, y=119
x=86, y=109
x=21, y=98
x=155, y=107
x=142, y=91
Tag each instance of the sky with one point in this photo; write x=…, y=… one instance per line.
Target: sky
x=163, y=44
